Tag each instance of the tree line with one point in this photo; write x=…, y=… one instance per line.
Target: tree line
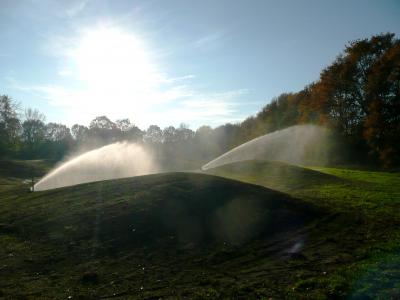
x=357, y=96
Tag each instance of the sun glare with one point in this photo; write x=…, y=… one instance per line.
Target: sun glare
x=109, y=58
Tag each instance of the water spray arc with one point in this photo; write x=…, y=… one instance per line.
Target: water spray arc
x=112, y=161
x=300, y=144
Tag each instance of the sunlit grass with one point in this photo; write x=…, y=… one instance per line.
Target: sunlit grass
x=372, y=199
x=334, y=188
x=371, y=192
x=351, y=250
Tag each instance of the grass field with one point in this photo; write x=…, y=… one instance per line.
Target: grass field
x=276, y=231
x=370, y=199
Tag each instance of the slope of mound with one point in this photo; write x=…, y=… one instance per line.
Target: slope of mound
x=273, y=174
x=136, y=232
x=195, y=236
x=191, y=207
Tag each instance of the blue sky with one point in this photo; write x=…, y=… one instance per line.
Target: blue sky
x=166, y=62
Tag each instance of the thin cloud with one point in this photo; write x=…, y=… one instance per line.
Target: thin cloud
x=106, y=70
x=179, y=104
x=210, y=41
x=200, y=109
x=180, y=78
x=76, y=8
x=64, y=72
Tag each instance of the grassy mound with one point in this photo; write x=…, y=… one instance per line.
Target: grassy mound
x=375, y=194
x=141, y=235
x=366, y=205
x=195, y=236
x=273, y=174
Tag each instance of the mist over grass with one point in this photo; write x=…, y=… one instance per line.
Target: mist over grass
x=117, y=160
x=300, y=144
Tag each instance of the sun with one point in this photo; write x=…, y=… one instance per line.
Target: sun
x=109, y=58
x=114, y=72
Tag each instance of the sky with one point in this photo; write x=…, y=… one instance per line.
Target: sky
x=170, y=62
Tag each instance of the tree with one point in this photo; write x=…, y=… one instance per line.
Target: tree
x=58, y=141
x=134, y=134
x=123, y=124
x=10, y=125
x=57, y=132
x=129, y=131
x=184, y=133
x=170, y=135
x=33, y=132
x=340, y=95
x=79, y=133
x=153, y=135
x=103, y=130
x=102, y=122
x=34, y=114
x=205, y=143
x=382, y=124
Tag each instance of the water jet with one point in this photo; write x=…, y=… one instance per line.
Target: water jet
x=112, y=161
x=300, y=144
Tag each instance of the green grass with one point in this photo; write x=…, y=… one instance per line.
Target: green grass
x=325, y=233
x=371, y=199
x=173, y=235
x=339, y=190
x=372, y=192
x=276, y=175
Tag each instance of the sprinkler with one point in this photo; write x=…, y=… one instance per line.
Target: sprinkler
x=32, y=189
